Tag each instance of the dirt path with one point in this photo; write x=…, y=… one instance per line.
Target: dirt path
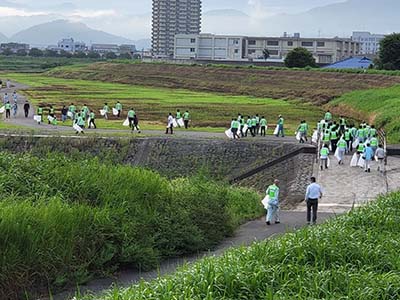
x=247, y=234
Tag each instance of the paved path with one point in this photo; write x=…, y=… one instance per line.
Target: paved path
x=247, y=234
x=345, y=186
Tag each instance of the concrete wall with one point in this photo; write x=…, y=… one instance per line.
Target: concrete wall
x=176, y=157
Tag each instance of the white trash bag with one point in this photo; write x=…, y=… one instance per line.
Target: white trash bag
x=77, y=128
x=361, y=162
x=2, y=110
x=337, y=156
x=245, y=128
x=328, y=163
x=276, y=130
x=70, y=114
x=50, y=118
x=126, y=122
x=298, y=135
x=354, y=160
x=103, y=112
x=180, y=122
x=37, y=118
x=315, y=137
x=265, y=202
x=174, y=123
x=356, y=143
x=229, y=134
x=88, y=122
x=115, y=112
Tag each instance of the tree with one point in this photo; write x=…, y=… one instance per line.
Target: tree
x=300, y=58
x=35, y=52
x=389, y=53
x=22, y=52
x=266, y=54
x=125, y=56
x=50, y=53
x=7, y=52
x=66, y=54
x=80, y=54
x=111, y=55
x=93, y=54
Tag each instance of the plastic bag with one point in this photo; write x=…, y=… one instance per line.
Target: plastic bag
x=265, y=202
x=276, y=130
x=354, y=160
x=103, y=112
x=115, y=112
x=50, y=118
x=37, y=118
x=88, y=122
x=77, y=128
x=356, y=143
x=315, y=137
x=361, y=162
x=245, y=128
x=70, y=114
x=298, y=136
x=126, y=123
x=328, y=163
x=229, y=133
x=2, y=110
x=181, y=123
x=337, y=156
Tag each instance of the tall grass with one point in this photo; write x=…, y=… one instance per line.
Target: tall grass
x=352, y=257
x=65, y=220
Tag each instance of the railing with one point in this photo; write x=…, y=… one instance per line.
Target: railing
x=383, y=141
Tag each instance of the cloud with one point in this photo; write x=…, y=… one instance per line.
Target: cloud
x=11, y=11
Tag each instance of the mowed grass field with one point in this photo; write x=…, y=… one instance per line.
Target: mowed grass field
x=209, y=111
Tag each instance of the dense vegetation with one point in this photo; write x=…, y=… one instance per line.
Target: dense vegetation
x=389, y=52
x=65, y=220
x=352, y=257
x=378, y=106
x=300, y=58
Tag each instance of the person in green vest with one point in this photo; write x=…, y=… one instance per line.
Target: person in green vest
x=80, y=122
x=281, y=123
x=92, y=118
x=372, y=132
x=235, y=128
x=51, y=113
x=186, y=119
x=342, y=125
x=118, y=107
x=253, y=126
x=85, y=112
x=106, y=109
x=131, y=116
x=342, y=148
x=360, y=148
x=348, y=139
x=263, y=124
x=241, y=123
x=374, y=143
x=40, y=113
x=72, y=109
x=324, y=156
x=273, y=203
x=7, y=106
x=302, y=128
x=361, y=134
x=328, y=117
x=326, y=138
x=257, y=125
x=334, y=138
x=248, y=122
x=178, y=117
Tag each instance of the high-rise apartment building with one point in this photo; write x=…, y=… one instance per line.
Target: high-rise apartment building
x=171, y=17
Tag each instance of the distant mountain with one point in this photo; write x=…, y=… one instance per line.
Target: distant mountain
x=342, y=18
x=50, y=33
x=3, y=38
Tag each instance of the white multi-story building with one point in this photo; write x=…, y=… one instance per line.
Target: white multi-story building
x=105, y=48
x=370, y=43
x=171, y=17
x=70, y=45
x=236, y=48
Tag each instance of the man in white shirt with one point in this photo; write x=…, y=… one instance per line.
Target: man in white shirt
x=313, y=194
x=170, y=124
x=380, y=156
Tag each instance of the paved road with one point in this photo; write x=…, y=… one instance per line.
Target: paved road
x=247, y=234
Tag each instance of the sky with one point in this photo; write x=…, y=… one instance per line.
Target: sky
x=132, y=18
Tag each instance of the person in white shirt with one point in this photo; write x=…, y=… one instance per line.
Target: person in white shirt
x=170, y=124
x=380, y=155
x=313, y=194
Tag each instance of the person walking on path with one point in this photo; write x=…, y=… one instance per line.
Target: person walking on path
x=131, y=116
x=8, y=110
x=40, y=113
x=72, y=109
x=51, y=113
x=135, y=123
x=118, y=107
x=342, y=148
x=170, y=124
x=273, y=203
x=186, y=119
x=368, y=155
x=313, y=194
x=5, y=98
x=302, y=129
x=328, y=117
x=64, y=114
x=27, y=107
x=324, y=156
x=263, y=124
x=380, y=155
x=235, y=128
x=106, y=109
x=281, y=130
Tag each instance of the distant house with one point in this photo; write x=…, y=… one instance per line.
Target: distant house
x=352, y=63
x=70, y=45
x=105, y=48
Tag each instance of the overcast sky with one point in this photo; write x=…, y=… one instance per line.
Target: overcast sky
x=130, y=18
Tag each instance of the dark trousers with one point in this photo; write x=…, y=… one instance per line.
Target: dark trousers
x=235, y=133
x=334, y=145
x=186, y=124
x=119, y=113
x=170, y=128
x=130, y=122
x=312, y=205
x=257, y=129
x=51, y=115
x=135, y=125
x=92, y=123
x=263, y=133
x=26, y=113
x=8, y=113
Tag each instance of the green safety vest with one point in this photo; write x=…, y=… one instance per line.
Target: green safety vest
x=235, y=124
x=241, y=121
x=347, y=135
x=131, y=114
x=263, y=122
x=178, y=115
x=249, y=122
x=8, y=106
x=328, y=116
x=334, y=135
x=80, y=121
x=303, y=127
x=361, y=133
x=253, y=122
x=106, y=108
x=342, y=121
x=360, y=148
x=326, y=137
x=72, y=108
x=118, y=106
x=324, y=152
x=372, y=132
x=40, y=111
x=354, y=132
x=273, y=192
x=281, y=121
x=342, y=144
x=92, y=116
x=374, y=142
x=51, y=110
x=186, y=116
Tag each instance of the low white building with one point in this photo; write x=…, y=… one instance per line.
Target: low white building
x=237, y=48
x=370, y=42
x=105, y=48
x=70, y=45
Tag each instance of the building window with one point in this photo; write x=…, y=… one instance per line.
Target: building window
x=192, y=50
x=252, y=51
x=307, y=44
x=273, y=52
x=290, y=44
x=273, y=43
x=236, y=51
x=192, y=41
x=320, y=44
x=252, y=42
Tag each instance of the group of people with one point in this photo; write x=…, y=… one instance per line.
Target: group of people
x=10, y=104
x=254, y=125
x=342, y=138
x=179, y=120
